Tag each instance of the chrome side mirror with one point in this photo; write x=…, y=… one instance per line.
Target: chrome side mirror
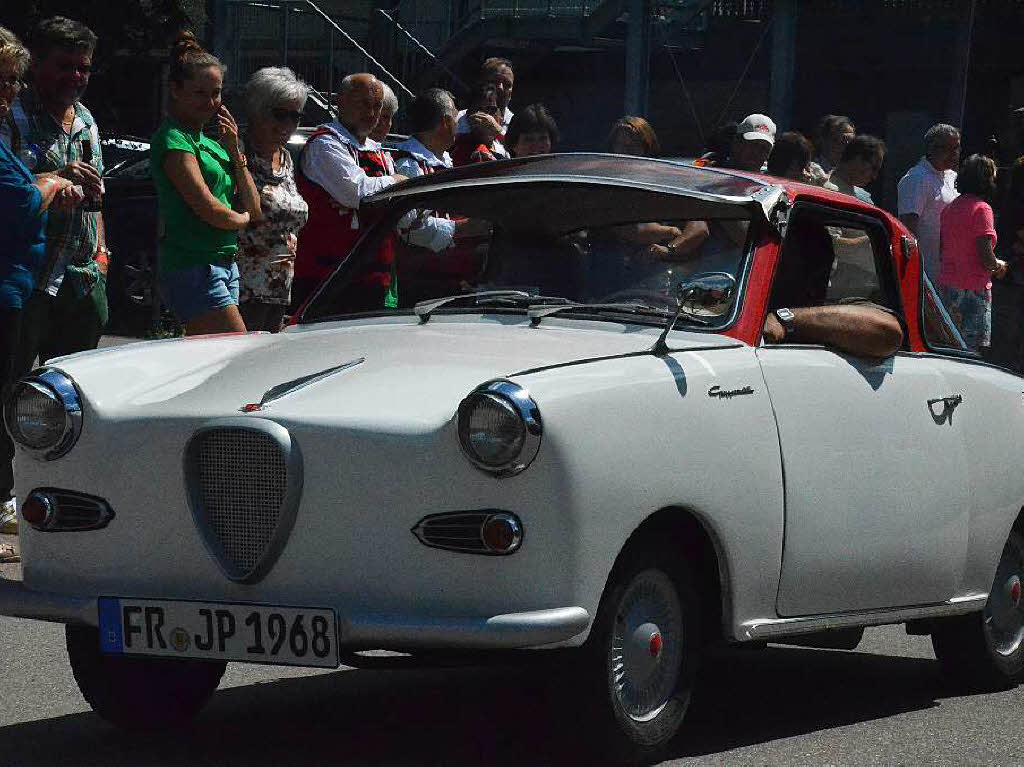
x=706, y=296
x=702, y=298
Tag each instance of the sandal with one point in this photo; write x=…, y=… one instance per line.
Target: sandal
x=8, y=554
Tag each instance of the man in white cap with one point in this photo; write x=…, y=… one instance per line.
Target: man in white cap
x=755, y=138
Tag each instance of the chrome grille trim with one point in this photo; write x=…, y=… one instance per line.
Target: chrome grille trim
x=244, y=482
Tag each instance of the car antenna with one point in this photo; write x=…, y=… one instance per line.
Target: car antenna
x=660, y=346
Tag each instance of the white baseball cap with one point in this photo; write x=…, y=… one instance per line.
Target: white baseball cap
x=757, y=127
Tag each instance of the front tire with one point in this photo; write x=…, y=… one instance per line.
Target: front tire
x=140, y=693
x=986, y=650
x=639, y=663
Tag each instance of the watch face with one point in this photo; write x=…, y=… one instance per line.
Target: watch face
x=785, y=315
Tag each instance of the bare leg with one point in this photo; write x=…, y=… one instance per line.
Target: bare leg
x=225, y=319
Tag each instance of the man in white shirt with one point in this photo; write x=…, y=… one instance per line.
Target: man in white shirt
x=433, y=257
x=431, y=119
x=927, y=189
x=497, y=72
x=340, y=165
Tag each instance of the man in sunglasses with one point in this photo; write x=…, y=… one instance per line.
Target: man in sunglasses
x=51, y=129
x=340, y=165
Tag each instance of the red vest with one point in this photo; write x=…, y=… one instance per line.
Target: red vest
x=332, y=230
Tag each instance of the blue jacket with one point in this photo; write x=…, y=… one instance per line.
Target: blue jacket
x=22, y=227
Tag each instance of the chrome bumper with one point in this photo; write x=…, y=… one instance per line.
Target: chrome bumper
x=513, y=630
x=17, y=601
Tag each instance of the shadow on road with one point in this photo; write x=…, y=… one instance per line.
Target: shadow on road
x=492, y=716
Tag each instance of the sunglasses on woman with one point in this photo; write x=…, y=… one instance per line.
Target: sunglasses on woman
x=286, y=115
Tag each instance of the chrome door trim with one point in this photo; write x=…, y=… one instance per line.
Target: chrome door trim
x=770, y=628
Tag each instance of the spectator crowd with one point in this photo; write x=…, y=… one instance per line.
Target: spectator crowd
x=248, y=234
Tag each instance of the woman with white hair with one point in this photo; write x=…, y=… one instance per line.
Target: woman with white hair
x=274, y=99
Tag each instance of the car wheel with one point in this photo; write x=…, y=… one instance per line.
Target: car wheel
x=640, y=660
x=139, y=693
x=986, y=649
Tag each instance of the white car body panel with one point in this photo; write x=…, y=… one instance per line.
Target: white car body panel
x=380, y=451
x=876, y=499
x=990, y=420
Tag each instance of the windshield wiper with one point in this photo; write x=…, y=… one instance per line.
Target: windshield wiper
x=536, y=314
x=424, y=309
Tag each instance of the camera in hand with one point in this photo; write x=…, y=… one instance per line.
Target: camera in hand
x=93, y=201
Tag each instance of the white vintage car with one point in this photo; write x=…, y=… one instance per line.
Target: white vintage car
x=560, y=437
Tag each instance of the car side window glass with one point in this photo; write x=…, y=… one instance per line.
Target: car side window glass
x=854, y=275
x=940, y=332
x=829, y=259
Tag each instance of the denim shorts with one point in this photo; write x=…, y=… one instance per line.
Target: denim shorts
x=196, y=289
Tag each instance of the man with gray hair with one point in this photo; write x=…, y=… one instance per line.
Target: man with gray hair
x=340, y=165
x=927, y=188
x=387, y=114
x=429, y=254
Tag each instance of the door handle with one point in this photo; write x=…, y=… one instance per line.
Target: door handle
x=948, y=403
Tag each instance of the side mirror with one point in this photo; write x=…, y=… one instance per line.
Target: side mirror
x=707, y=295
x=702, y=298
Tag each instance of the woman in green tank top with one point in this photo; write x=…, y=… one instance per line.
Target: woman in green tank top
x=199, y=184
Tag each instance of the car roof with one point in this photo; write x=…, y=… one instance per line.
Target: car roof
x=611, y=168
x=718, y=191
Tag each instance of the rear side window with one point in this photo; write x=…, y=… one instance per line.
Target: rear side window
x=829, y=257
x=940, y=332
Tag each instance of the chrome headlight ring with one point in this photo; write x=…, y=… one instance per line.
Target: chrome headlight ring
x=511, y=401
x=52, y=383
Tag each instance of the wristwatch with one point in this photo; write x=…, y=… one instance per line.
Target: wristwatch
x=787, y=319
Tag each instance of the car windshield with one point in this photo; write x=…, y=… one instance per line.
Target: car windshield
x=520, y=246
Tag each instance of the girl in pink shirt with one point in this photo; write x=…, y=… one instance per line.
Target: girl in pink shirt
x=967, y=235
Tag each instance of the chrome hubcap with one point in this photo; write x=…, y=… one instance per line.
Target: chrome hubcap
x=647, y=643
x=1004, y=616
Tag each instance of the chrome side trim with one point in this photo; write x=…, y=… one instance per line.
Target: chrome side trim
x=769, y=628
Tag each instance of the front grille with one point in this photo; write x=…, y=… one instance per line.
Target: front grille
x=241, y=478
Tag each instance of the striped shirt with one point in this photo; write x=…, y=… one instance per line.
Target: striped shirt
x=33, y=134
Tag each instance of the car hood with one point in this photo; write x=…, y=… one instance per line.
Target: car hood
x=391, y=369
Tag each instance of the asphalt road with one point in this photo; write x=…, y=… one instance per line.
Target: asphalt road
x=884, y=704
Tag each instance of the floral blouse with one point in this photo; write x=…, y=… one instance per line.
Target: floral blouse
x=266, y=249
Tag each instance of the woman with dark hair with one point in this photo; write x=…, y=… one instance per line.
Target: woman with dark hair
x=635, y=136
x=967, y=241
x=198, y=180
x=532, y=131
x=791, y=157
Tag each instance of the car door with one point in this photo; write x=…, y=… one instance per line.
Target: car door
x=987, y=406
x=874, y=483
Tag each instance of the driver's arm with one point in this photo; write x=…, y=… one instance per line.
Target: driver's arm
x=862, y=331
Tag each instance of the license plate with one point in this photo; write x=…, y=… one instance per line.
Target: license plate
x=288, y=636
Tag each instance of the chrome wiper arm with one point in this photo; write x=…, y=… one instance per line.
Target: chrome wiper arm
x=537, y=313
x=424, y=309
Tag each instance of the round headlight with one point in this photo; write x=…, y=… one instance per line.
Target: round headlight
x=44, y=414
x=500, y=428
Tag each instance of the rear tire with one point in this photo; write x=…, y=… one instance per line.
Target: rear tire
x=638, y=666
x=986, y=650
x=140, y=693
